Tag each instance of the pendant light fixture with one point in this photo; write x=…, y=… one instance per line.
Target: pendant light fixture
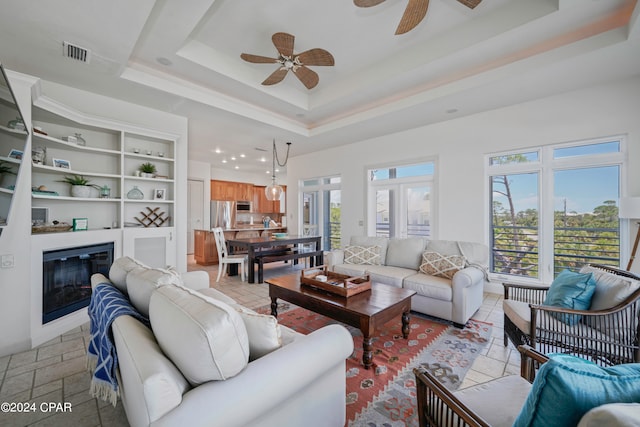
x=274, y=191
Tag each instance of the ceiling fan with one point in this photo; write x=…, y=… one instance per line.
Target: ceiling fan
x=414, y=13
x=291, y=62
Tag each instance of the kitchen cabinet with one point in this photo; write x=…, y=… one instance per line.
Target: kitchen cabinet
x=262, y=205
x=229, y=190
x=204, y=250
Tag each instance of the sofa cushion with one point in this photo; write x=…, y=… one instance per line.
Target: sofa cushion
x=263, y=332
x=567, y=387
x=119, y=270
x=436, y=264
x=142, y=281
x=405, y=252
x=434, y=287
x=372, y=241
x=392, y=276
x=205, y=338
x=611, y=289
x=351, y=269
x=571, y=290
x=612, y=415
x=216, y=294
x=363, y=255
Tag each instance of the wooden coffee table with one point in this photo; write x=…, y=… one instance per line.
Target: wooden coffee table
x=365, y=311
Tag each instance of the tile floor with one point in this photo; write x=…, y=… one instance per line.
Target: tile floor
x=56, y=371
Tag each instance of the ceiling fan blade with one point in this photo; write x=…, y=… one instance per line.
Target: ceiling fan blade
x=366, y=3
x=275, y=77
x=316, y=57
x=284, y=43
x=471, y=4
x=413, y=14
x=257, y=59
x=308, y=77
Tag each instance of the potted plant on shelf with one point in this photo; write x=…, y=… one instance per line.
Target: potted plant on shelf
x=147, y=170
x=80, y=186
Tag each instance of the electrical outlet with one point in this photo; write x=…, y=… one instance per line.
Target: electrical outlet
x=361, y=223
x=7, y=261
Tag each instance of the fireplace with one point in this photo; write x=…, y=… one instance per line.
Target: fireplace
x=66, y=277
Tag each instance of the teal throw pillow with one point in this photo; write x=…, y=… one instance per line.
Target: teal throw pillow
x=567, y=387
x=571, y=290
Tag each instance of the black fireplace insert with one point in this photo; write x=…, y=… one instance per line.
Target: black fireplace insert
x=66, y=277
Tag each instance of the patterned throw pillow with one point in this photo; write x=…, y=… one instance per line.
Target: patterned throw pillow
x=369, y=255
x=436, y=264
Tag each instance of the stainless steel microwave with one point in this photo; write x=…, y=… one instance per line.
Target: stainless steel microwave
x=243, y=206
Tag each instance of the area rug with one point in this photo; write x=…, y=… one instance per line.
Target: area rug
x=384, y=395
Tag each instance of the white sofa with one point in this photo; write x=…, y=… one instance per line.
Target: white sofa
x=455, y=294
x=210, y=362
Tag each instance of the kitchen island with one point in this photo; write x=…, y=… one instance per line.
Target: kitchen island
x=205, y=251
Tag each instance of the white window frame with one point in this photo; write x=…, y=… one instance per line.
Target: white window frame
x=545, y=166
x=320, y=189
x=373, y=186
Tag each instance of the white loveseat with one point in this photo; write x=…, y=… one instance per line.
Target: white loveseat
x=454, y=294
x=211, y=362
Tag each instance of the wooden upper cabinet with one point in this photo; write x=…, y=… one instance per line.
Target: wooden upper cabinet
x=244, y=191
x=262, y=205
x=224, y=190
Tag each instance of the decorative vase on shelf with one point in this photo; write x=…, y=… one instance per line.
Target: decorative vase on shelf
x=135, y=193
x=80, y=191
x=80, y=140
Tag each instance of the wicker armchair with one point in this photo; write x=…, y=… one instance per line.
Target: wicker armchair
x=497, y=402
x=606, y=336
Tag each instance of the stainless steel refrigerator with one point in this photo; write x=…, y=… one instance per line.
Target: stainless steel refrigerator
x=223, y=214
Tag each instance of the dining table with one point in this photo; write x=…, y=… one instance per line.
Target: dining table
x=269, y=245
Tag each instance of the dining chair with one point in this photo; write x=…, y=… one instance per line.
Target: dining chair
x=224, y=258
x=308, y=230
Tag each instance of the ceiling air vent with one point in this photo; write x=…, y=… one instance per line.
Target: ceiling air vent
x=76, y=52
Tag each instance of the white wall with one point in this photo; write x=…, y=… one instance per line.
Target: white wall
x=459, y=146
x=16, y=320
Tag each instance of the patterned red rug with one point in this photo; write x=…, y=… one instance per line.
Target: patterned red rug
x=385, y=394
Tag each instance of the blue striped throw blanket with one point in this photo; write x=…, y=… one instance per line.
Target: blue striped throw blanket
x=107, y=303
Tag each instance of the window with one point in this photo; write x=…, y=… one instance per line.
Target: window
x=321, y=209
x=555, y=207
x=400, y=200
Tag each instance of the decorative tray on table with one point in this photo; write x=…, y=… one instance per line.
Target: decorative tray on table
x=335, y=283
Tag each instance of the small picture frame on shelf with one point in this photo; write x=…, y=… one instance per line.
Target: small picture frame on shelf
x=159, y=194
x=61, y=163
x=16, y=154
x=80, y=224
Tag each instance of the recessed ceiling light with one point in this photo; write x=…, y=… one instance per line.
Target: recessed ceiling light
x=243, y=156
x=233, y=157
x=262, y=159
x=237, y=167
x=217, y=151
x=164, y=61
x=224, y=160
x=268, y=171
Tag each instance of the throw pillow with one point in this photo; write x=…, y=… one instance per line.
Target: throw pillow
x=436, y=264
x=263, y=331
x=567, y=387
x=571, y=290
x=119, y=270
x=369, y=255
x=205, y=338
